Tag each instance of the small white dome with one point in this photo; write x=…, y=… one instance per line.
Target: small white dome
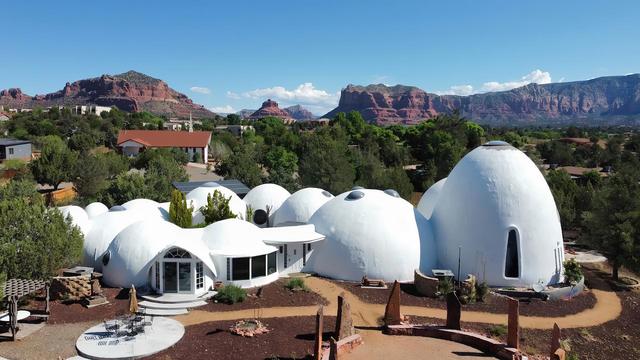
x=150, y=206
x=235, y=237
x=369, y=232
x=78, y=217
x=198, y=198
x=500, y=213
x=430, y=198
x=95, y=209
x=266, y=195
x=300, y=206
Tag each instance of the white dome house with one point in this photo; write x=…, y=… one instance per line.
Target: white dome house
x=198, y=197
x=300, y=206
x=500, y=214
x=373, y=233
x=95, y=209
x=430, y=198
x=78, y=217
x=265, y=200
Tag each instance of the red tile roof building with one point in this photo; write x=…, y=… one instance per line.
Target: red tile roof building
x=131, y=142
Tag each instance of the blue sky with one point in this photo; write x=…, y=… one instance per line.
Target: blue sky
x=230, y=55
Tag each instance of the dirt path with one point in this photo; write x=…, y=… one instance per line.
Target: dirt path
x=608, y=307
x=50, y=342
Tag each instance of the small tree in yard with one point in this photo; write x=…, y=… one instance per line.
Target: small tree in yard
x=179, y=212
x=217, y=208
x=55, y=164
x=572, y=271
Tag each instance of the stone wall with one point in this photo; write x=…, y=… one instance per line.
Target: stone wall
x=425, y=285
x=70, y=287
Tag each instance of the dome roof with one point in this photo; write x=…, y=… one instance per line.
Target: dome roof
x=495, y=193
x=104, y=229
x=300, y=206
x=235, y=237
x=265, y=195
x=78, y=216
x=147, y=205
x=133, y=250
x=371, y=233
x=430, y=198
x=198, y=197
x=96, y=208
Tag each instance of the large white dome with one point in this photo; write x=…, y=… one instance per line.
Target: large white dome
x=430, y=198
x=153, y=207
x=373, y=233
x=496, y=207
x=266, y=196
x=300, y=206
x=233, y=237
x=198, y=197
x=78, y=217
x=95, y=209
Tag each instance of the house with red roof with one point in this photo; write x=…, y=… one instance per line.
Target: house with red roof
x=132, y=142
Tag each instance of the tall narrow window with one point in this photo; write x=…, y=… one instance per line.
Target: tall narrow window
x=199, y=275
x=157, y=276
x=511, y=265
x=228, y=269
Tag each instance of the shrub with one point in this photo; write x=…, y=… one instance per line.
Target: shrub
x=15, y=164
x=572, y=271
x=180, y=213
x=497, y=330
x=217, y=208
x=482, y=290
x=296, y=284
x=445, y=286
x=197, y=158
x=230, y=294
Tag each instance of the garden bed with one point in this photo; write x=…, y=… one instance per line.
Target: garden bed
x=66, y=312
x=273, y=295
x=289, y=338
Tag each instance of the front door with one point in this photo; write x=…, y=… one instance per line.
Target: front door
x=177, y=277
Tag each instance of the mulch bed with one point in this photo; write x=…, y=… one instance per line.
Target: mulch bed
x=66, y=312
x=493, y=303
x=289, y=338
x=273, y=295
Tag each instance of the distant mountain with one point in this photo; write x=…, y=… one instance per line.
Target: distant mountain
x=131, y=91
x=605, y=100
x=299, y=113
x=245, y=113
x=269, y=108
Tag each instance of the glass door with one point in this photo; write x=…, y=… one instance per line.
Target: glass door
x=184, y=277
x=170, y=277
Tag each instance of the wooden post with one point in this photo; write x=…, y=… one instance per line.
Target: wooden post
x=333, y=349
x=453, y=311
x=46, y=303
x=317, y=346
x=555, y=340
x=513, y=335
x=13, y=316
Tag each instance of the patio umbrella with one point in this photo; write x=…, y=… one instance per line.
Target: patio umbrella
x=133, y=301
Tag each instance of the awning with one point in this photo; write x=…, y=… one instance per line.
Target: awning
x=290, y=234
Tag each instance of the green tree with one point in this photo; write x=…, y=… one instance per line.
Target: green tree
x=55, y=164
x=282, y=165
x=564, y=191
x=91, y=177
x=159, y=177
x=34, y=241
x=180, y=213
x=217, y=208
x=125, y=187
x=242, y=165
x=325, y=161
x=612, y=226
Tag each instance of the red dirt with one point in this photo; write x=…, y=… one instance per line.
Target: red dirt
x=273, y=295
x=289, y=338
x=493, y=303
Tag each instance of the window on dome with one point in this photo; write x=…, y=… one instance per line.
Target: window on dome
x=199, y=275
x=511, y=265
x=271, y=263
x=258, y=266
x=240, y=268
x=176, y=253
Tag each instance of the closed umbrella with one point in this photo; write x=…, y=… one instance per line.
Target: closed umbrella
x=133, y=301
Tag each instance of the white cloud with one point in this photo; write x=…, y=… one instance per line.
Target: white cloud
x=226, y=109
x=305, y=94
x=233, y=95
x=536, y=76
x=200, y=90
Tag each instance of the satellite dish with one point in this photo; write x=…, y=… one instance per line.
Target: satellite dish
x=537, y=287
x=260, y=217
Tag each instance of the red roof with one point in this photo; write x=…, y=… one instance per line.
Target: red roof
x=166, y=138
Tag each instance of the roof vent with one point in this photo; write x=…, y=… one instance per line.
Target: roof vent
x=326, y=193
x=392, y=192
x=117, y=208
x=355, y=195
x=496, y=143
x=210, y=184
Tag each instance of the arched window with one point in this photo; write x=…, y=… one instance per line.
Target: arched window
x=176, y=253
x=511, y=265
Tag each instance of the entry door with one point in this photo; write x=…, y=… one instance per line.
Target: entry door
x=177, y=277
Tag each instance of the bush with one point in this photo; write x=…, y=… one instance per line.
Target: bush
x=445, y=286
x=197, y=158
x=497, y=330
x=15, y=164
x=296, y=284
x=482, y=290
x=230, y=294
x=572, y=271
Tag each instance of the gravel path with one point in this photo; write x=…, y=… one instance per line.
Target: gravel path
x=50, y=342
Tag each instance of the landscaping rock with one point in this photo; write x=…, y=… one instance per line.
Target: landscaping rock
x=453, y=311
x=392, y=311
x=513, y=333
x=344, y=322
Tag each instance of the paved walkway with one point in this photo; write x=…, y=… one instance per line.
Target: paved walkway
x=608, y=307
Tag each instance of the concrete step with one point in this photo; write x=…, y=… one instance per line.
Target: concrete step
x=177, y=298
x=166, y=312
x=158, y=305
